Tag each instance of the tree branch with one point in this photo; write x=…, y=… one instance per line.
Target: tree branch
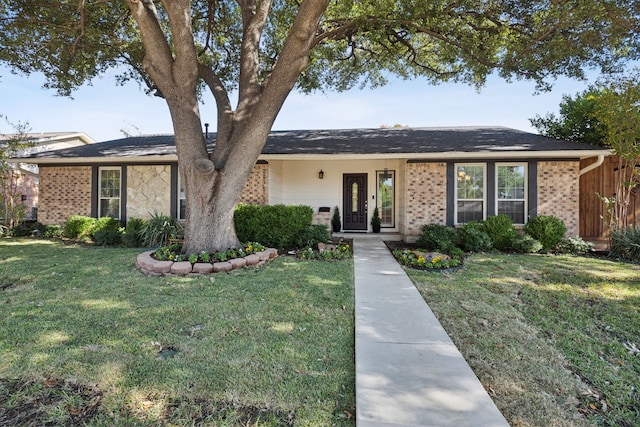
x=186, y=61
x=254, y=18
x=293, y=59
x=225, y=115
x=158, y=57
x=83, y=24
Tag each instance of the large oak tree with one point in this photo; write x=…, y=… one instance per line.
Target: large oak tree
x=263, y=49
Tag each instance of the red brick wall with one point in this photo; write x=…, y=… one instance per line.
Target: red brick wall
x=64, y=191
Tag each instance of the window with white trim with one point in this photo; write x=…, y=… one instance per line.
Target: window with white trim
x=470, y=192
x=511, y=191
x=109, y=192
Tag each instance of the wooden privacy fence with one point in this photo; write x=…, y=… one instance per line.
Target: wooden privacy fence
x=601, y=181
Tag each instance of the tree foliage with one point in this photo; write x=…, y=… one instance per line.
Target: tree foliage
x=619, y=112
x=576, y=120
x=608, y=115
x=12, y=208
x=355, y=42
x=263, y=49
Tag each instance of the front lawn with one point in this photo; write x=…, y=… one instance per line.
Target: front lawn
x=554, y=339
x=86, y=338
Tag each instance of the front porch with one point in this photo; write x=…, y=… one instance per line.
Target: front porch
x=391, y=236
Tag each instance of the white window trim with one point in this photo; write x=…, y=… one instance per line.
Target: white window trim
x=526, y=189
x=100, y=198
x=455, y=190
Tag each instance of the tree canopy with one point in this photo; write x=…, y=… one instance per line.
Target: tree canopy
x=263, y=49
x=577, y=119
x=356, y=41
x=619, y=112
x=608, y=115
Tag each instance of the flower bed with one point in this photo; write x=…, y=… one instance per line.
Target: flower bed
x=327, y=252
x=168, y=260
x=426, y=260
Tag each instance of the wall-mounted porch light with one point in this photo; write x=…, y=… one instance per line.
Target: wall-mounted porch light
x=321, y=174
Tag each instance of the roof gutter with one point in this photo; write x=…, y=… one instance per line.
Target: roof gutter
x=166, y=158
x=592, y=166
x=513, y=155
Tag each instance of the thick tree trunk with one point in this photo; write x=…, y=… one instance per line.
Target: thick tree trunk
x=213, y=182
x=211, y=193
x=211, y=202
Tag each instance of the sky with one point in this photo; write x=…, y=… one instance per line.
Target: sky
x=105, y=111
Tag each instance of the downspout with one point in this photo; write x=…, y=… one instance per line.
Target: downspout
x=592, y=166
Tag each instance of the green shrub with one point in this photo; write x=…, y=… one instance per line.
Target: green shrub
x=500, y=230
x=455, y=252
x=48, y=231
x=526, y=244
x=159, y=229
x=21, y=231
x=473, y=238
x=625, y=244
x=336, y=222
x=376, y=221
x=546, y=229
x=132, y=237
x=79, y=227
x=108, y=237
x=574, y=245
x=53, y=230
x=436, y=237
x=311, y=236
x=106, y=232
x=104, y=223
x=276, y=226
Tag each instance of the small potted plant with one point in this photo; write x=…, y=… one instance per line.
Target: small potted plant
x=336, y=223
x=375, y=221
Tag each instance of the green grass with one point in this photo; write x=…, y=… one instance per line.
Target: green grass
x=550, y=337
x=268, y=345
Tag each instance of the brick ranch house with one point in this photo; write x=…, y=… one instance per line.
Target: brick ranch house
x=414, y=176
x=27, y=180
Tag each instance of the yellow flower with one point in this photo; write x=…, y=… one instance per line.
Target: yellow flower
x=436, y=259
x=421, y=259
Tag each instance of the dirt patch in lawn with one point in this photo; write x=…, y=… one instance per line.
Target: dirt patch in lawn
x=54, y=401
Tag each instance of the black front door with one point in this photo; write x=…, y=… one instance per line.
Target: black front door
x=355, y=202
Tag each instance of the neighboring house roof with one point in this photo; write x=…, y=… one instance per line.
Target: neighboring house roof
x=51, y=140
x=411, y=143
x=44, y=142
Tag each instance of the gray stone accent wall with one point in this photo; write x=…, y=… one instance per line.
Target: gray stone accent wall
x=558, y=192
x=64, y=191
x=148, y=190
x=426, y=195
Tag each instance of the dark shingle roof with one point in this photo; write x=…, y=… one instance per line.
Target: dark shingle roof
x=345, y=142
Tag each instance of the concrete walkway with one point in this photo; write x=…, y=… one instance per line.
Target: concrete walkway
x=408, y=371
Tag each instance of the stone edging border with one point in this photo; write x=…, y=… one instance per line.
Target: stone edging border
x=152, y=267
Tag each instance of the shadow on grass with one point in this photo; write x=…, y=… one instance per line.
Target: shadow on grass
x=30, y=403
x=589, y=309
x=86, y=316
